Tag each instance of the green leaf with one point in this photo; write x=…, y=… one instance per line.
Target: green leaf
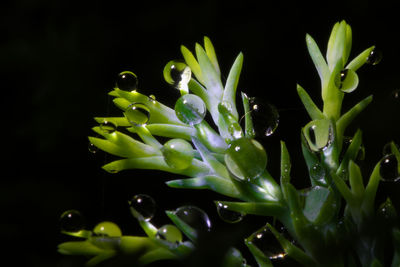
x=155, y=163
x=147, y=226
x=331, y=95
x=317, y=58
x=211, y=182
x=350, y=82
x=312, y=109
x=347, y=47
x=196, y=88
x=343, y=189
x=336, y=46
x=184, y=227
x=285, y=167
x=318, y=134
x=370, y=190
x=331, y=43
x=101, y=257
x=192, y=63
x=79, y=248
x=171, y=130
x=231, y=84
x=319, y=204
x=118, y=121
x=266, y=208
x=249, y=129
x=210, y=138
x=351, y=153
x=156, y=255
x=146, y=136
x=210, y=51
x=261, y=258
x=360, y=60
x=356, y=181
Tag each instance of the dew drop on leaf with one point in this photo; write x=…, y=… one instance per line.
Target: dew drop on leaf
x=319, y=134
x=144, y=205
x=178, y=74
x=127, y=81
x=72, y=221
x=227, y=215
x=387, y=210
x=169, y=233
x=194, y=217
x=138, y=114
x=374, y=57
x=266, y=242
x=317, y=173
x=348, y=81
x=178, y=153
x=92, y=148
x=190, y=109
x=107, y=229
x=246, y=158
x=108, y=127
x=389, y=168
x=346, y=143
x=152, y=99
x=265, y=117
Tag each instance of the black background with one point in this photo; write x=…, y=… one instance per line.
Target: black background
x=60, y=58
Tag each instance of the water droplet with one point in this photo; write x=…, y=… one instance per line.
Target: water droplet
x=107, y=229
x=190, y=109
x=346, y=143
x=387, y=210
x=317, y=173
x=144, y=205
x=246, y=158
x=127, y=81
x=92, y=148
x=178, y=74
x=194, y=217
x=178, y=153
x=319, y=134
x=374, y=57
x=389, y=168
x=137, y=114
x=235, y=130
x=169, y=233
x=152, y=99
x=108, y=127
x=265, y=241
x=265, y=117
x=72, y=221
x=348, y=80
x=387, y=149
x=227, y=215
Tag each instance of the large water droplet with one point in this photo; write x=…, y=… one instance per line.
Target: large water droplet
x=227, y=215
x=389, y=168
x=319, y=134
x=178, y=153
x=246, y=158
x=144, y=205
x=127, y=80
x=108, y=127
x=194, y=217
x=190, y=109
x=374, y=57
x=137, y=114
x=346, y=143
x=265, y=241
x=348, y=80
x=265, y=117
x=178, y=74
x=72, y=221
x=169, y=233
x=107, y=229
x=317, y=173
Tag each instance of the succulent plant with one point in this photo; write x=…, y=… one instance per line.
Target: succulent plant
x=334, y=222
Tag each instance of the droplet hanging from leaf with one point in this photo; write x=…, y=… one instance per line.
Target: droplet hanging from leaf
x=144, y=206
x=194, y=217
x=375, y=56
x=266, y=242
x=227, y=215
x=127, y=81
x=92, y=148
x=318, y=174
x=319, y=134
x=246, y=158
x=178, y=153
x=138, y=114
x=265, y=117
x=178, y=74
x=389, y=168
x=169, y=233
x=108, y=127
x=190, y=109
x=107, y=229
x=72, y=221
x=348, y=80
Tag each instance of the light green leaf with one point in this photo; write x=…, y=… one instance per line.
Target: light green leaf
x=351, y=153
x=356, y=181
x=336, y=46
x=210, y=51
x=266, y=208
x=347, y=47
x=231, y=84
x=312, y=109
x=371, y=189
x=192, y=63
x=317, y=58
x=249, y=129
x=118, y=121
x=360, y=60
x=79, y=248
x=171, y=130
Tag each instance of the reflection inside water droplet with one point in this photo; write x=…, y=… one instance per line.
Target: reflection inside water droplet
x=374, y=57
x=138, y=114
x=190, y=109
x=108, y=127
x=127, y=81
x=265, y=117
x=169, y=233
x=194, y=217
x=266, y=242
x=227, y=215
x=107, y=229
x=92, y=148
x=144, y=205
x=72, y=221
x=178, y=74
x=178, y=153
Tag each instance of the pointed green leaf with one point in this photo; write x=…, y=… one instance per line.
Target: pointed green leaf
x=261, y=258
x=79, y=248
x=184, y=227
x=356, y=181
x=371, y=189
x=347, y=48
x=337, y=46
x=343, y=189
x=192, y=63
x=118, y=121
x=351, y=153
x=331, y=43
x=210, y=51
x=360, y=60
x=196, y=88
x=231, y=84
x=319, y=204
x=171, y=130
x=267, y=208
x=285, y=166
x=214, y=183
x=312, y=109
x=317, y=58
x=212, y=140
x=249, y=129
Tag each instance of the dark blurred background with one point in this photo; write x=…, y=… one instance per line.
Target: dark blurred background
x=59, y=59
